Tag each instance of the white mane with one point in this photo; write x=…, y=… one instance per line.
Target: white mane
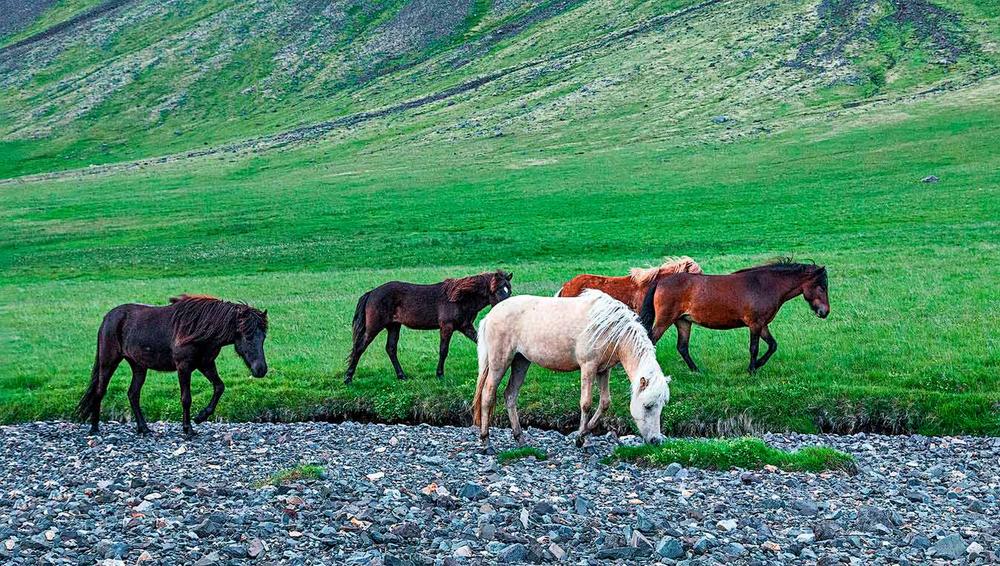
x=670, y=264
x=612, y=325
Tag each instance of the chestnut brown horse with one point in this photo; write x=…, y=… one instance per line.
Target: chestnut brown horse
x=629, y=289
x=448, y=306
x=749, y=297
x=184, y=336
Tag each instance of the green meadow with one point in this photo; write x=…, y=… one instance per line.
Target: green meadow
x=910, y=345
x=613, y=134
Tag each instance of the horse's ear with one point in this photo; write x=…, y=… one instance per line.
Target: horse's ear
x=643, y=383
x=265, y=313
x=510, y=275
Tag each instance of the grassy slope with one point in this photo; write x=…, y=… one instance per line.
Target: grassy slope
x=606, y=160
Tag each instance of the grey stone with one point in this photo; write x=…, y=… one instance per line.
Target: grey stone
x=514, y=553
x=669, y=547
x=951, y=547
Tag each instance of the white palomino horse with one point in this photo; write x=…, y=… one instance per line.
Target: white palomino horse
x=592, y=332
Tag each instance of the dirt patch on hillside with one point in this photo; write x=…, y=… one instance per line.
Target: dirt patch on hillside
x=16, y=15
x=847, y=27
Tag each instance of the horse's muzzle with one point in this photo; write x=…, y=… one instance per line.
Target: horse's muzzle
x=655, y=440
x=258, y=370
x=822, y=312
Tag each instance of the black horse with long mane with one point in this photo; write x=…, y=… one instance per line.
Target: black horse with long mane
x=447, y=306
x=184, y=336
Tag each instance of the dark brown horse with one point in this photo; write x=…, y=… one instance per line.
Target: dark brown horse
x=448, y=306
x=749, y=297
x=184, y=336
x=629, y=289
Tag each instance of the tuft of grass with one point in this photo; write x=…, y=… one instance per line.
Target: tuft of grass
x=508, y=456
x=724, y=454
x=288, y=475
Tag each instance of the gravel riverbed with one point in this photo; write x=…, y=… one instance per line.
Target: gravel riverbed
x=394, y=494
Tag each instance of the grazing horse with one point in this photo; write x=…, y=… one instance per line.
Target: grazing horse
x=449, y=306
x=750, y=297
x=184, y=336
x=592, y=333
x=629, y=289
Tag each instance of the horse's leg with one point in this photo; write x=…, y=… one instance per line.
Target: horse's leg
x=586, y=401
x=134, y=389
x=357, y=349
x=683, y=337
x=488, y=399
x=604, y=385
x=518, y=369
x=107, y=369
x=469, y=330
x=184, y=378
x=209, y=370
x=754, y=347
x=390, y=348
x=446, y=331
x=772, y=345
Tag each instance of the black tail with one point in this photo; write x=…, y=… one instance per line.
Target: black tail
x=358, y=327
x=108, y=343
x=86, y=406
x=647, y=314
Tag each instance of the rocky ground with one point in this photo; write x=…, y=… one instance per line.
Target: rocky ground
x=423, y=495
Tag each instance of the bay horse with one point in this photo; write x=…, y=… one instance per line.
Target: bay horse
x=629, y=289
x=749, y=297
x=447, y=306
x=184, y=336
x=591, y=333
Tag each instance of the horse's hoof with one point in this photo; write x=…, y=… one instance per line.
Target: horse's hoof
x=190, y=433
x=144, y=431
x=489, y=450
x=348, y=380
x=199, y=419
x=580, y=440
x=440, y=376
x=94, y=431
x=402, y=377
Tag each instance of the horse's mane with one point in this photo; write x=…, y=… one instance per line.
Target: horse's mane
x=788, y=265
x=202, y=317
x=613, y=324
x=455, y=288
x=670, y=266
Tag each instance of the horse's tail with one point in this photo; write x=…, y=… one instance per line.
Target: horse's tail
x=86, y=405
x=559, y=292
x=483, y=350
x=647, y=314
x=106, y=336
x=359, y=326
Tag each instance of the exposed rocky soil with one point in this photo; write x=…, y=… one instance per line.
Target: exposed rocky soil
x=426, y=495
x=16, y=15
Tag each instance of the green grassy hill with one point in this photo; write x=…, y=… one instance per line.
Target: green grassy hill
x=296, y=154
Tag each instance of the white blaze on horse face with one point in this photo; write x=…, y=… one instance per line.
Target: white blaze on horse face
x=647, y=405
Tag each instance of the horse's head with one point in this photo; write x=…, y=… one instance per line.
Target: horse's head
x=499, y=286
x=814, y=291
x=649, y=393
x=251, y=330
